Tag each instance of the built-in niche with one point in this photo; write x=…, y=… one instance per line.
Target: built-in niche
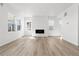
x=28, y=25
x=51, y=25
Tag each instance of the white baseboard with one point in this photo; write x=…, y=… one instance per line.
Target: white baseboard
x=6, y=42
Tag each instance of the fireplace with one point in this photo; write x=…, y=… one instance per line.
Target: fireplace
x=39, y=31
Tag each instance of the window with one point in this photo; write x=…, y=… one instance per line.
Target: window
x=18, y=25
x=11, y=25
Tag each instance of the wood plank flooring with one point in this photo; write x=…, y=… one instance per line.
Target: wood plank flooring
x=39, y=46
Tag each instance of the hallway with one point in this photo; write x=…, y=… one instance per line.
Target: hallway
x=39, y=46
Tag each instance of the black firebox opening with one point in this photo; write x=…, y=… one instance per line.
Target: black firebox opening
x=39, y=31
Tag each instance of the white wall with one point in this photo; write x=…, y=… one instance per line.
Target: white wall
x=3, y=24
x=69, y=24
x=78, y=24
x=54, y=21
x=5, y=36
x=39, y=22
x=43, y=22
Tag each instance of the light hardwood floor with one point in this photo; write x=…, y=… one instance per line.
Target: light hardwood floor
x=39, y=46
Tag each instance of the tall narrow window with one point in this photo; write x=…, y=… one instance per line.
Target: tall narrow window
x=11, y=25
x=18, y=25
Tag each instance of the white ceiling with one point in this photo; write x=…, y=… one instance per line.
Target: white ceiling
x=40, y=9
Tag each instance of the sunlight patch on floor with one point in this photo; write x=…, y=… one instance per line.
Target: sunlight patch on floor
x=61, y=38
x=32, y=37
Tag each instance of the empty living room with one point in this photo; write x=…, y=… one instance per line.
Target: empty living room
x=39, y=29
